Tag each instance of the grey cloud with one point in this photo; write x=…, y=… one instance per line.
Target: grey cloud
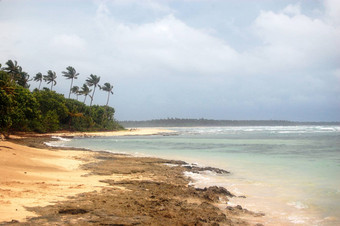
x=164, y=67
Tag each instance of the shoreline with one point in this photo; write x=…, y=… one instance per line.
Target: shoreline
x=107, y=188
x=127, y=132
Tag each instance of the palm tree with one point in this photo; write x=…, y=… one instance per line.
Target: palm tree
x=38, y=78
x=75, y=90
x=50, y=78
x=23, y=79
x=108, y=88
x=93, y=80
x=12, y=68
x=85, y=90
x=70, y=74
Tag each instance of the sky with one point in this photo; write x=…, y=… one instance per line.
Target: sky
x=214, y=59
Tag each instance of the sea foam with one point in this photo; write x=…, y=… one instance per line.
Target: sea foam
x=59, y=143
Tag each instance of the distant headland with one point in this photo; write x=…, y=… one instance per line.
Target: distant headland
x=179, y=122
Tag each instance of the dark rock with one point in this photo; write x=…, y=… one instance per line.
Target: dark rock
x=196, y=169
x=72, y=211
x=238, y=207
x=163, y=199
x=217, y=190
x=206, y=205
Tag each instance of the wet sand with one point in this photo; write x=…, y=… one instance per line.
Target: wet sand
x=74, y=187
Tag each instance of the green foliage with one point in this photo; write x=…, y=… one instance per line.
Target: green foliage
x=6, y=103
x=51, y=121
x=6, y=110
x=84, y=118
x=19, y=108
x=45, y=110
x=50, y=100
x=26, y=109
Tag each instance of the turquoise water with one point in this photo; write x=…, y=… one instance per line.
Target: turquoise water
x=290, y=173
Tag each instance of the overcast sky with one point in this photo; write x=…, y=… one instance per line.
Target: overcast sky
x=232, y=59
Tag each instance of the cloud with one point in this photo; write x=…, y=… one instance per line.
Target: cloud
x=333, y=11
x=296, y=41
x=72, y=43
x=292, y=10
x=153, y=5
x=159, y=62
x=166, y=45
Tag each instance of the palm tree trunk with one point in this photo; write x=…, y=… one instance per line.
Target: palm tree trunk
x=69, y=94
x=108, y=98
x=92, y=96
x=51, y=85
x=40, y=84
x=85, y=98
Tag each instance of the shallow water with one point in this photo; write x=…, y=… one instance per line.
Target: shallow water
x=290, y=173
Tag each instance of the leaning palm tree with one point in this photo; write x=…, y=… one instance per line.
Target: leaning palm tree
x=70, y=74
x=50, y=78
x=93, y=80
x=12, y=68
x=38, y=78
x=75, y=90
x=85, y=90
x=108, y=88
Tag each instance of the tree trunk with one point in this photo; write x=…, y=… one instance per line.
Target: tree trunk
x=94, y=89
x=69, y=94
x=108, y=98
x=40, y=84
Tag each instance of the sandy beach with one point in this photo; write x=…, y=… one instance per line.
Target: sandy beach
x=127, y=132
x=74, y=187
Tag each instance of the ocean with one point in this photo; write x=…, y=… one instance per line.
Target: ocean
x=290, y=173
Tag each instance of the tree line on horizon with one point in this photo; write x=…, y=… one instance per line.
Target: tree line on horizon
x=185, y=122
x=44, y=110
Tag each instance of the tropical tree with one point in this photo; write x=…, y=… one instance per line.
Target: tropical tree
x=107, y=87
x=12, y=68
x=23, y=78
x=93, y=80
x=71, y=73
x=38, y=78
x=50, y=78
x=75, y=90
x=85, y=90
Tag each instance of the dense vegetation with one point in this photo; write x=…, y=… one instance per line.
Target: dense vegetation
x=177, y=122
x=47, y=111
